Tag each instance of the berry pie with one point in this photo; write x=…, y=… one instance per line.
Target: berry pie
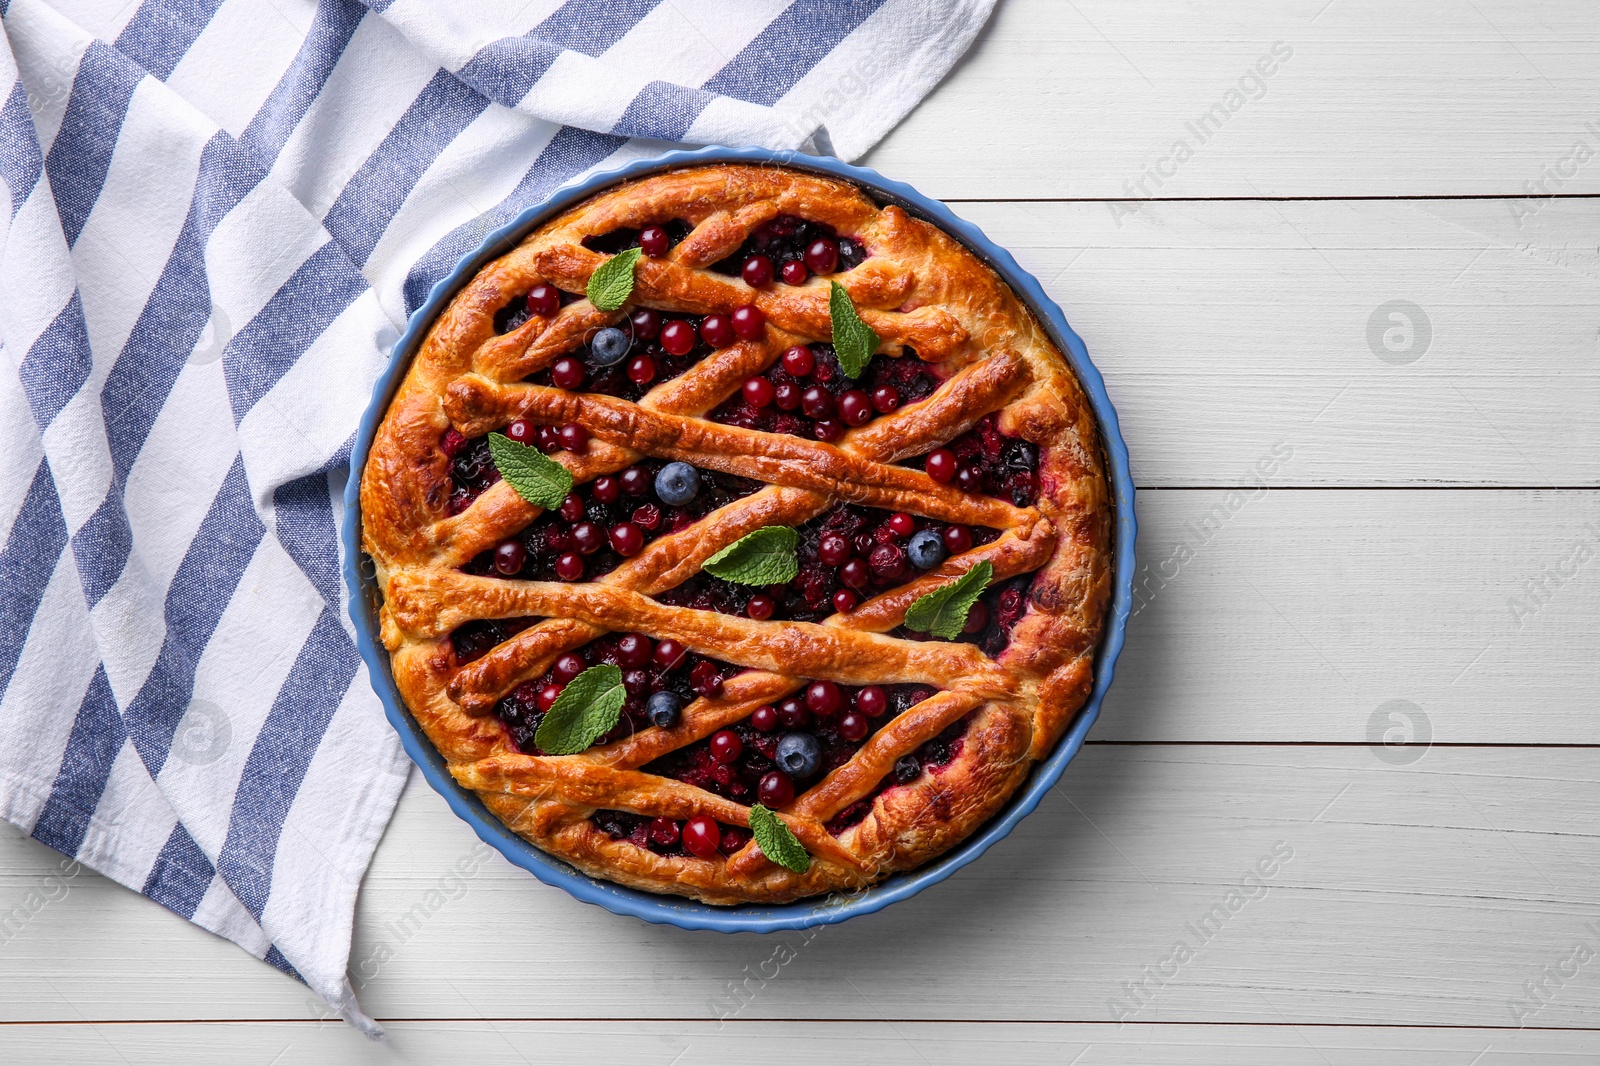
x=739, y=538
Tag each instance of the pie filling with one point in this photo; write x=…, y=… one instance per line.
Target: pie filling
x=847, y=554
x=806, y=394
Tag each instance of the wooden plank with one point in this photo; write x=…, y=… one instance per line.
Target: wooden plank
x=1223, y=329
x=1284, y=615
x=1419, y=894
x=517, y=1043
x=1429, y=98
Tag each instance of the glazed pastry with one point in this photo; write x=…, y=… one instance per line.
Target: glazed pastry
x=711, y=405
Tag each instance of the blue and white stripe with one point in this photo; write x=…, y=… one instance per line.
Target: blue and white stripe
x=220, y=214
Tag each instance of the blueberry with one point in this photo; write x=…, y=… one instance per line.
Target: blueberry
x=907, y=769
x=677, y=484
x=609, y=346
x=926, y=550
x=799, y=754
x=663, y=708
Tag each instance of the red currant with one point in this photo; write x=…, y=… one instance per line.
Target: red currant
x=942, y=465
x=817, y=402
x=748, y=322
x=627, y=539
x=571, y=507
x=855, y=573
x=794, y=272
x=633, y=650
x=844, y=601
x=793, y=714
x=569, y=567
x=574, y=438
x=902, y=525
x=765, y=718
x=568, y=667
x=799, y=361
x=549, y=438
x=969, y=479
x=757, y=272
x=669, y=653
x=509, y=557
x=647, y=516
x=833, y=549
x=654, y=241
x=977, y=618
x=548, y=696
x=701, y=836
x=544, y=301
x=855, y=407
x=786, y=396
x=957, y=539
x=760, y=607
x=854, y=727
x=885, y=398
x=828, y=430
x=716, y=330
x=758, y=392
x=823, y=698
x=641, y=370
x=872, y=701
x=822, y=255
x=775, y=790
x=568, y=373
x=646, y=322
x=606, y=489
x=522, y=431
x=726, y=746
x=677, y=337
x=635, y=480
x=587, y=538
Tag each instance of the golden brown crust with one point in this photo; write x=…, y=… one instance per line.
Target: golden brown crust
x=920, y=290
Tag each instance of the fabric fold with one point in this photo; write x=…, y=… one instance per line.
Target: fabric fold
x=218, y=218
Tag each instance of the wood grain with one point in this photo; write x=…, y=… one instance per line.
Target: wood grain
x=517, y=1043
x=1222, y=328
x=1422, y=99
x=1419, y=894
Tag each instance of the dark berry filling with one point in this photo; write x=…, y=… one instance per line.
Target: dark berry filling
x=792, y=249
x=648, y=667
x=805, y=393
x=472, y=469
x=543, y=300
x=846, y=554
x=992, y=618
x=604, y=522
x=647, y=361
x=987, y=461
x=836, y=717
x=932, y=756
x=672, y=231
x=667, y=836
x=474, y=639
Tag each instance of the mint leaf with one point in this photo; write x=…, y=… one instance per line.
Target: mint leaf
x=586, y=710
x=765, y=557
x=853, y=340
x=777, y=841
x=612, y=282
x=537, y=478
x=943, y=611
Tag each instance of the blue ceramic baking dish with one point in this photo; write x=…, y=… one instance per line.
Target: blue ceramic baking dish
x=668, y=909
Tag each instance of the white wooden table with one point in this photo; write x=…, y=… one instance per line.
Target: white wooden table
x=1430, y=535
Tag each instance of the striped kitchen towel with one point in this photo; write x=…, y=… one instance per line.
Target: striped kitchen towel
x=220, y=214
